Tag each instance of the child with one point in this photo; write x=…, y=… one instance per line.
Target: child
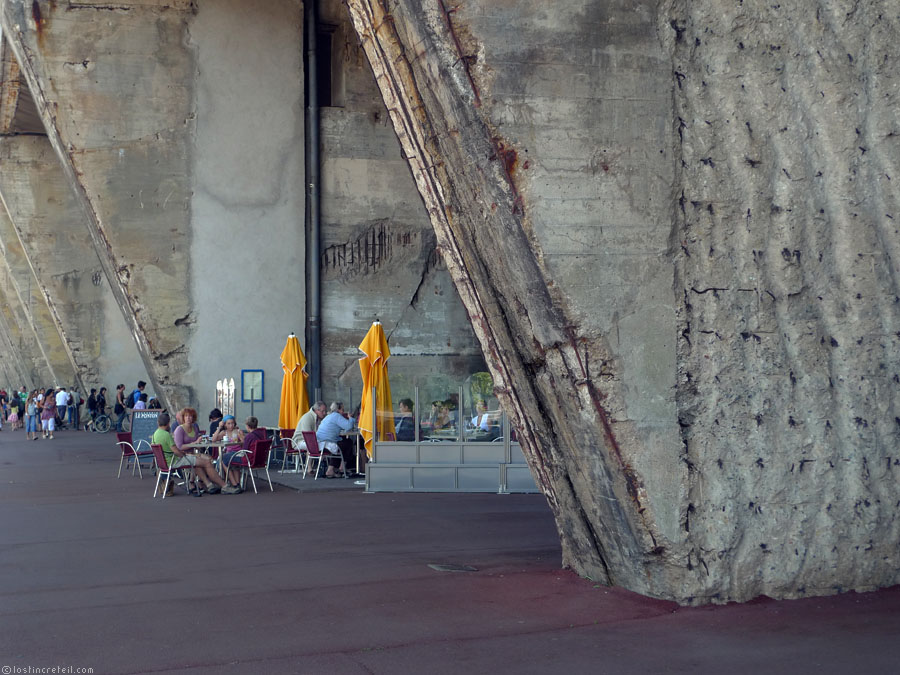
x=31, y=412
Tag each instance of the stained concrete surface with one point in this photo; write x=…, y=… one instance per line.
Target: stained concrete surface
x=98, y=574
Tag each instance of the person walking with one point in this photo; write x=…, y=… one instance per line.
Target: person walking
x=119, y=407
x=48, y=414
x=31, y=417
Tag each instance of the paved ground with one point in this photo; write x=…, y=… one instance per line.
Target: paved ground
x=96, y=574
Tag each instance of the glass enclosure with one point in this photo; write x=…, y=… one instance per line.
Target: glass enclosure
x=447, y=440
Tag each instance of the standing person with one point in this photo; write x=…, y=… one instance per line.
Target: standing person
x=48, y=414
x=91, y=408
x=141, y=403
x=4, y=406
x=62, y=402
x=135, y=396
x=119, y=407
x=31, y=416
x=72, y=407
x=101, y=401
x=14, y=415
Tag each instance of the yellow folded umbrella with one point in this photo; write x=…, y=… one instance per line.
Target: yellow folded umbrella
x=373, y=368
x=294, y=399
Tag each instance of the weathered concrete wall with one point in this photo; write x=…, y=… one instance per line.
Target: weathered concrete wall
x=54, y=236
x=787, y=251
x=13, y=367
x=112, y=84
x=184, y=143
x=582, y=102
x=22, y=337
x=247, y=209
x=701, y=421
x=51, y=360
x=379, y=259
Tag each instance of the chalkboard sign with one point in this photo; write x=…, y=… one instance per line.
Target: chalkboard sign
x=143, y=425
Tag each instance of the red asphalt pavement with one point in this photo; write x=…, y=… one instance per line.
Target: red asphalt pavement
x=97, y=574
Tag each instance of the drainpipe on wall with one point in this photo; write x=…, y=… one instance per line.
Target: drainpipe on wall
x=314, y=300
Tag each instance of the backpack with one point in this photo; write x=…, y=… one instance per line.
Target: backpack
x=129, y=400
x=70, y=400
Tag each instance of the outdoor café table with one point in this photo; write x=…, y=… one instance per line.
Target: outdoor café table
x=202, y=446
x=354, y=433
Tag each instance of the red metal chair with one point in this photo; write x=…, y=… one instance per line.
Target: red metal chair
x=163, y=468
x=288, y=448
x=132, y=453
x=254, y=459
x=313, y=452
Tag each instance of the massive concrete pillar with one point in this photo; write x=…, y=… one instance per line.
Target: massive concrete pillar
x=51, y=359
x=51, y=228
x=701, y=357
x=187, y=183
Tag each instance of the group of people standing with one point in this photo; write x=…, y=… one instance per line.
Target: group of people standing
x=137, y=400
x=41, y=410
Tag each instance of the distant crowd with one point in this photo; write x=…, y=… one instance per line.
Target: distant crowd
x=41, y=412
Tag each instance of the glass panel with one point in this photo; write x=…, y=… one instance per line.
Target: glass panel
x=483, y=415
x=405, y=419
x=443, y=416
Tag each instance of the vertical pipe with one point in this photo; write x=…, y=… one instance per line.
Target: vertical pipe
x=313, y=250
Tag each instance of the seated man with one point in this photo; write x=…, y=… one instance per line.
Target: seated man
x=308, y=422
x=176, y=458
x=330, y=440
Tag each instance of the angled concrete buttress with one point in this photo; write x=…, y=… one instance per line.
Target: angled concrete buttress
x=136, y=220
x=189, y=188
x=51, y=228
x=23, y=340
x=14, y=371
x=49, y=350
x=694, y=322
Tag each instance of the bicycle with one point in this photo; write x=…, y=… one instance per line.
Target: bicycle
x=100, y=424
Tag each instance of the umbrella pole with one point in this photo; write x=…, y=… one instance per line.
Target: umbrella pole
x=251, y=401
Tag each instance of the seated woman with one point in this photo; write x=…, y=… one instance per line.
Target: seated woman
x=403, y=421
x=188, y=432
x=229, y=432
x=444, y=419
x=481, y=420
x=330, y=441
x=254, y=433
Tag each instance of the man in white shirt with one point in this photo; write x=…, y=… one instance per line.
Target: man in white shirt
x=62, y=402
